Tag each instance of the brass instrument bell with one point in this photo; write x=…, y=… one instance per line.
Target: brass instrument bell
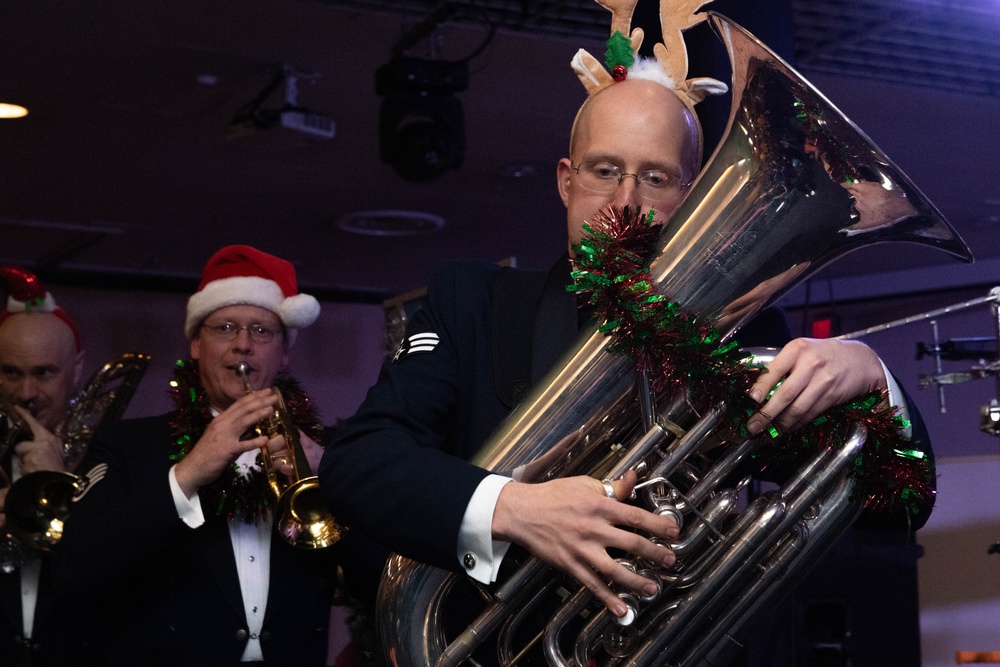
x=37, y=504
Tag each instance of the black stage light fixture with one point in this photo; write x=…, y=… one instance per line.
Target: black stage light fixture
x=421, y=122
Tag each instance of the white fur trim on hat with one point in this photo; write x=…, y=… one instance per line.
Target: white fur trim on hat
x=295, y=312
x=299, y=311
x=47, y=306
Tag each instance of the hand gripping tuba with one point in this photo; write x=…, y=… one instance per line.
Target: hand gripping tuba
x=792, y=186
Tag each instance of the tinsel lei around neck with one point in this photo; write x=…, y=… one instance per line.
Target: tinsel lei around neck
x=239, y=496
x=892, y=477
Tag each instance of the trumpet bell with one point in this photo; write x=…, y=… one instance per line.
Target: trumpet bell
x=38, y=505
x=302, y=518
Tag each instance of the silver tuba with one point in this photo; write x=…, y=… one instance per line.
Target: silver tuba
x=792, y=186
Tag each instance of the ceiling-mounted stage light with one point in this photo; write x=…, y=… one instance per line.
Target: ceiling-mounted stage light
x=421, y=122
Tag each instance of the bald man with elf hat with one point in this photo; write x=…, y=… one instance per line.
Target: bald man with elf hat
x=41, y=360
x=177, y=538
x=485, y=333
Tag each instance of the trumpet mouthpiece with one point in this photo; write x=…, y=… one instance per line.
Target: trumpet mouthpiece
x=242, y=370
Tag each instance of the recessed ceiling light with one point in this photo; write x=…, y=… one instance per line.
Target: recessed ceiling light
x=12, y=110
x=391, y=223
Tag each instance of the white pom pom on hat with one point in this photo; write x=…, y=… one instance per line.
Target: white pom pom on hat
x=243, y=275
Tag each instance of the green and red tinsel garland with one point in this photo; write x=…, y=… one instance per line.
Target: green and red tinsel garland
x=682, y=354
x=243, y=497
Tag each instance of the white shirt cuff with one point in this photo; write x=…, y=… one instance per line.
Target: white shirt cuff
x=896, y=399
x=188, y=509
x=478, y=553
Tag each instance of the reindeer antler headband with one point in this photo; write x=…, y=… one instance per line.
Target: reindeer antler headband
x=671, y=58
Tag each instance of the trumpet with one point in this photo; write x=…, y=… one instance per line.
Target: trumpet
x=300, y=515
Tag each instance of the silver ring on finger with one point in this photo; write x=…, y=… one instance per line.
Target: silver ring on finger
x=609, y=489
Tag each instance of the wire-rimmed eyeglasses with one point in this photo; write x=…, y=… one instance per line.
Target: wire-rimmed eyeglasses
x=228, y=331
x=653, y=184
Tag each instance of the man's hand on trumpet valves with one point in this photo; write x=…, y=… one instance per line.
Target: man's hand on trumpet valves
x=281, y=458
x=278, y=450
x=570, y=523
x=815, y=375
x=220, y=444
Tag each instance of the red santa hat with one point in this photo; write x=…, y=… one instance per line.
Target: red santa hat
x=243, y=275
x=27, y=295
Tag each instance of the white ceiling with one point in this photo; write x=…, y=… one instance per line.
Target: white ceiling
x=121, y=173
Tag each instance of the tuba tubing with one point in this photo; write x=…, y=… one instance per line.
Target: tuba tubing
x=809, y=486
x=792, y=186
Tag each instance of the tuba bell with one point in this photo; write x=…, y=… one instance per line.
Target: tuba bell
x=39, y=502
x=300, y=515
x=792, y=186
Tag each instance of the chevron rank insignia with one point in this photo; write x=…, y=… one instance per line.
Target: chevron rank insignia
x=88, y=481
x=419, y=342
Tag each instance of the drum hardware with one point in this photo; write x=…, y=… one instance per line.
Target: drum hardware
x=956, y=349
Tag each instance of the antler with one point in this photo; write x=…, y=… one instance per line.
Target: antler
x=621, y=20
x=675, y=18
x=591, y=71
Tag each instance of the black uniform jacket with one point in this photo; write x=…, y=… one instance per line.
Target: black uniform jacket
x=171, y=593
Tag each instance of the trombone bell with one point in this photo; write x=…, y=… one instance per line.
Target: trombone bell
x=38, y=505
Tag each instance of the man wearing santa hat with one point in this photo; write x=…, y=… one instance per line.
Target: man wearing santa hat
x=177, y=537
x=41, y=358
